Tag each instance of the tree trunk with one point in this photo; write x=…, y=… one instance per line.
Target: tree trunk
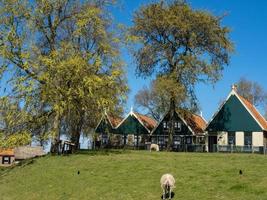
x=56, y=137
x=171, y=125
x=76, y=132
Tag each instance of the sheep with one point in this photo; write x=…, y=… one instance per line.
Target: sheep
x=167, y=182
x=154, y=147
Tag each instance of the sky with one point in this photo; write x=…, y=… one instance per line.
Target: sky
x=248, y=23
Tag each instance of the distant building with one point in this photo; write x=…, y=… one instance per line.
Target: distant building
x=237, y=125
x=189, y=131
x=133, y=130
x=106, y=126
x=7, y=157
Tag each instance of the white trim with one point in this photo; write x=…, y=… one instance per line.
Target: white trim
x=250, y=111
x=220, y=107
x=99, y=122
x=107, y=116
x=133, y=114
x=158, y=123
x=193, y=132
x=123, y=120
x=141, y=122
x=233, y=92
x=110, y=121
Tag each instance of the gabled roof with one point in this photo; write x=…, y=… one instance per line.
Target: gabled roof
x=114, y=120
x=196, y=123
x=252, y=110
x=147, y=121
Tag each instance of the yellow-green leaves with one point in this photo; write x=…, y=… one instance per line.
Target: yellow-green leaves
x=68, y=68
x=14, y=140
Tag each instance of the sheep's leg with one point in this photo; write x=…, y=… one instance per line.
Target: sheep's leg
x=170, y=193
x=164, y=194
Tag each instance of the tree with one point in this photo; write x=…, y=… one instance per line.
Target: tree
x=175, y=42
x=155, y=99
x=65, y=60
x=252, y=91
x=14, y=129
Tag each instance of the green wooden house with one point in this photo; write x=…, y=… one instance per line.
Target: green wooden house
x=188, y=130
x=135, y=129
x=237, y=123
x=106, y=127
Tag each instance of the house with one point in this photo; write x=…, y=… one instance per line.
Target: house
x=237, y=125
x=189, y=130
x=105, y=127
x=135, y=129
x=7, y=157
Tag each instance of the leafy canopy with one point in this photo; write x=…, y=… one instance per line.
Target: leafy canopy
x=174, y=41
x=64, y=61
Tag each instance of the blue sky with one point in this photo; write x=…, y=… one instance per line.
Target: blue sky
x=248, y=23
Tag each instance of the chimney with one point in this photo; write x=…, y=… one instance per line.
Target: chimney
x=234, y=87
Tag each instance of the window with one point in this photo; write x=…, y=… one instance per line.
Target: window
x=177, y=126
x=135, y=139
x=231, y=138
x=6, y=160
x=188, y=140
x=177, y=140
x=248, y=138
x=165, y=125
x=161, y=140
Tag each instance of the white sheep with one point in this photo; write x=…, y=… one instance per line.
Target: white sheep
x=154, y=147
x=167, y=182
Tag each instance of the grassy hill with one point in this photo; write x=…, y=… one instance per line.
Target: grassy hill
x=135, y=175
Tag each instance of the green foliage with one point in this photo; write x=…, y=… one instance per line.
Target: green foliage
x=65, y=62
x=175, y=42
x=14, y=140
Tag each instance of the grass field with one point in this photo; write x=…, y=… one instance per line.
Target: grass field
x=135, y=175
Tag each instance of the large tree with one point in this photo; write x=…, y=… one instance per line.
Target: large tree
x=178, y=43
x=64, y=59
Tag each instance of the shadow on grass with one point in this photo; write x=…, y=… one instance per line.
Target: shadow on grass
x=104, y=152
x=167, y=195
x=22, y=163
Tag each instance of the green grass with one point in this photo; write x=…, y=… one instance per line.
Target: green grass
x=120, y=175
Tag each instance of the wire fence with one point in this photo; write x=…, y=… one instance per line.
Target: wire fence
x=240, y=149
